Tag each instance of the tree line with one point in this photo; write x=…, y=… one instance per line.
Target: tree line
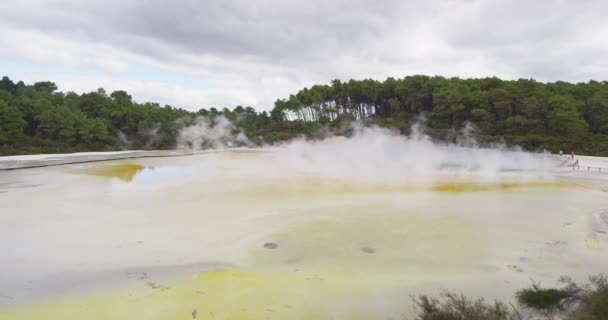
x=537, y=116
x=38, y=118
x=531, y=114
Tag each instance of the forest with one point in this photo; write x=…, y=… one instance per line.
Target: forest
x=537, y=116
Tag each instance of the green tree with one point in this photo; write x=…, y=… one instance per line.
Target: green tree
x=11, y=123
x=59, y=124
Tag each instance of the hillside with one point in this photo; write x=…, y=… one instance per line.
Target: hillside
x=537, y=116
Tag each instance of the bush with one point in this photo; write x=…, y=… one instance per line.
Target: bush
x=589, y=302
x=459, y=307
x=593, y=300
x=547, y=301
x=572, y=302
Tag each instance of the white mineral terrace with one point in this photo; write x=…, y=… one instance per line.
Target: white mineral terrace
x=342, y=230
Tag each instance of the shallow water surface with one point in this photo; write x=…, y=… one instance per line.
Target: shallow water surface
x=253, y=236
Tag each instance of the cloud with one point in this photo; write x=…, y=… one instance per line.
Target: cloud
x=254, y=52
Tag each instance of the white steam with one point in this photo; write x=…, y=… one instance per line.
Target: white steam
x=152, y=135
x=123, y=140
x=205, y=133
x=381, y=155
x=374, y=154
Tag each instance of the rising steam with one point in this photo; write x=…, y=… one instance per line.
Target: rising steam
x=205, y=133
x=375, y=154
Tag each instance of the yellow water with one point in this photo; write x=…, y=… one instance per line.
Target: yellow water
x=344, y=249
x=323, y=187
x=479, y=187
x=124, y=171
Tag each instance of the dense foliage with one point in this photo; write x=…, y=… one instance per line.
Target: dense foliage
x=459, y=307
x=547, y=300
x=39, y=119
x=571, y=302
x=536, y=116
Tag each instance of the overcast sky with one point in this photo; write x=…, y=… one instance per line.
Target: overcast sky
x=203, y=53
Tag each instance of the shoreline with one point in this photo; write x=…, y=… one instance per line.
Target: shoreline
x=587, y=178
x=49, y=160
x=110, y=243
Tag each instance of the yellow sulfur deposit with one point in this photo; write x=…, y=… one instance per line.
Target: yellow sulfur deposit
x=124, y=171
x=479, y=187
x=222, y=294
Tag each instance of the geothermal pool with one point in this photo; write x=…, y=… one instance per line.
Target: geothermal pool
x=305, y=231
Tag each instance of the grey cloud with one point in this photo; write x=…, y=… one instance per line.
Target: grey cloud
x=247, y=45
x=265, y=30
x=490, y=24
